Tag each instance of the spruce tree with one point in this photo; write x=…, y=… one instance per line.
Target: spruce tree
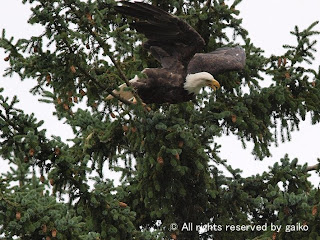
x=167, y=154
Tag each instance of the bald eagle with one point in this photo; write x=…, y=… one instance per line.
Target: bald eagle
x=175, y=44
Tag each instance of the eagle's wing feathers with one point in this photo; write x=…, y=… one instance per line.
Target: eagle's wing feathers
x=221, y=60
x=166, y=33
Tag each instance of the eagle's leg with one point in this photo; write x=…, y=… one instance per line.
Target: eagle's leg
x=146, y=107
x=122, y=92
x=128, y=95
x=134, y=100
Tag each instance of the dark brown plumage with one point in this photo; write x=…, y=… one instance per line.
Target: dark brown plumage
x=175, y=44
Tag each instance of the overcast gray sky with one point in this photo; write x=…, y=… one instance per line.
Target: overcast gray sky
x=268, y=22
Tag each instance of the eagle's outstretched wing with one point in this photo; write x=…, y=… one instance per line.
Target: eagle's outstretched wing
x=221, y=60
x=171, y=40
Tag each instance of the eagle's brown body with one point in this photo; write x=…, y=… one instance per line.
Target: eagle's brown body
x=175, y=44
x=167, y=87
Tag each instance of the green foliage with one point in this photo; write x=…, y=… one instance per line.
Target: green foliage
x=166, y=154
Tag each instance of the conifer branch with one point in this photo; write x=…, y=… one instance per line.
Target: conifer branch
x=8, y=201
x=123, y=100
x=83, y=71
x=313, y=167
x=105, y=48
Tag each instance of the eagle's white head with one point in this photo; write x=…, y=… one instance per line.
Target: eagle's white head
x=194, y=82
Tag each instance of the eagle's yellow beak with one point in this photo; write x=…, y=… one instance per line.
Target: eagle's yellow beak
x=214, y=84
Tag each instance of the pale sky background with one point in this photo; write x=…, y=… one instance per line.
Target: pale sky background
x=268, y=22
